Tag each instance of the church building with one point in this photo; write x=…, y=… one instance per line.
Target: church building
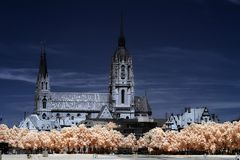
x=55, y=110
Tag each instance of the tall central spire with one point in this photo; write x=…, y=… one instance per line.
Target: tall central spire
x=121, y=39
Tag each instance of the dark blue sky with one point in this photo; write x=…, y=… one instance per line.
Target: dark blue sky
x=185, y=52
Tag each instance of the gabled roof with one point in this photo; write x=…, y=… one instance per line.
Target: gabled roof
x=104, y=111
x=35, y=120
x=39, y=124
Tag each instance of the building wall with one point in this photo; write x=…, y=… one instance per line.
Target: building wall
x=191, y=115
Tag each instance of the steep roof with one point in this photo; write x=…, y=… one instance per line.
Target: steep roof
x=141, y=105
x=78, y=101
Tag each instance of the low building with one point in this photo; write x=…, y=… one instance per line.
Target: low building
x=191, y=115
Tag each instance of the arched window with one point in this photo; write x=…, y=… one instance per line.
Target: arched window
x=68, y=115
x=127, y=117
x=46, y=85
x=122, y=72
x=42, y=85
x=122, y=96
x=44, y=116
x=44, y=102
x=58, y=115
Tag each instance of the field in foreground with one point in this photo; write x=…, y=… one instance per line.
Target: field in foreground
x=118, y=157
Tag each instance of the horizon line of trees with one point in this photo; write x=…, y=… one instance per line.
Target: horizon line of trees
x=211, y=138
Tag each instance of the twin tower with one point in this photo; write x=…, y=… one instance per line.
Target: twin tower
x=58, y=109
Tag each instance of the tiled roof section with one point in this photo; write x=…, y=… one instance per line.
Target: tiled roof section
x=141, y=105
x=78, y=101
x=35, y=120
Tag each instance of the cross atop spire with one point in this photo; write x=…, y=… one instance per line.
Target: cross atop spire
x=121, y=38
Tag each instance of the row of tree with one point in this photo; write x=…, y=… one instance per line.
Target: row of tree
x=204, y=138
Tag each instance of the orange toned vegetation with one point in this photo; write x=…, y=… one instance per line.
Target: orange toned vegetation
x=208, y=138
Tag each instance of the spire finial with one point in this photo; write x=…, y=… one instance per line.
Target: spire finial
x=43, y=60
x=146, y=96
x=43, y=46
x=121, y=39
x=145, y=92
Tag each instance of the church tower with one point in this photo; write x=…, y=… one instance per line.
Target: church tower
x=121, y=85
x=42, y=92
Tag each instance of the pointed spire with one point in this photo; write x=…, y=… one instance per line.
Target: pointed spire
x=146, y=96
x=121, y=39
x=121, y=27
x=148, y=106
x=43, y=46
x=43, y=61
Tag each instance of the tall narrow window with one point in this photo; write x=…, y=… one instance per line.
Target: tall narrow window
x=128, y=72
x=46, y=85
x=122, y=72
x=122, y=96
x=44, y=102
x=42, y=85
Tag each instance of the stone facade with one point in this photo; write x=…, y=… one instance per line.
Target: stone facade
x=121, y=86
x=61, y=109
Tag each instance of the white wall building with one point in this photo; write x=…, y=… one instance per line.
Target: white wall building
x=191, y=115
